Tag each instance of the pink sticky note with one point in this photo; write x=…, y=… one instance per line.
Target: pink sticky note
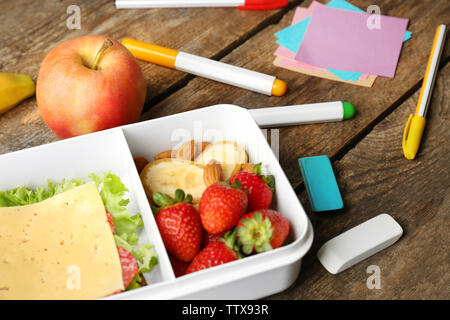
x=288, y=57
x=302, y=13
x=340, y=39
x=286, y=54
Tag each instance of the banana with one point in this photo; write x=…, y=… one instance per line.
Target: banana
x=167, y=175
x=228, y=153
x=14, y=88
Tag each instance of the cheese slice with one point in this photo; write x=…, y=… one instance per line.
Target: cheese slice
x=60, y=248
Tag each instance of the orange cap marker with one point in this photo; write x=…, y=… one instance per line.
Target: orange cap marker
x=207, y=68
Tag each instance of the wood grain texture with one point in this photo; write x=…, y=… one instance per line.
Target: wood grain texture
x=329, y=138
x=30, y=29
x=374, y=178
x=373, y=175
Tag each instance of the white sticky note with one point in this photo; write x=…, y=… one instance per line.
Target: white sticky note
x=359, y=243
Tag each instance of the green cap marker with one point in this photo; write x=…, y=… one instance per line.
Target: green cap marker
x=302, y=114
x=349, y=110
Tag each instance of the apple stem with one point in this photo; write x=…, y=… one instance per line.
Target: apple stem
x=108, y=43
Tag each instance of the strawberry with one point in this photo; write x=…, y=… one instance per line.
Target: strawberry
x=261, y=230
x=179, y=225
x=221, y=206
x=260, y=188
x=179, y=267
x=214, y=254
x=208, y=238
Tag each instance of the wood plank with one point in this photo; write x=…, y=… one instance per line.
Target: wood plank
x=30, y=29
x=374, y=178
x=371, y=103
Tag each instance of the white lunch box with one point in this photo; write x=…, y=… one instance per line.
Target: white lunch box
x=113, y=150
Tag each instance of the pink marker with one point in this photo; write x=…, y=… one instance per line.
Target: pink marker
x=240, y=4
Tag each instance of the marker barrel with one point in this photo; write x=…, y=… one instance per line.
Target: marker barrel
x=207, y=68
x=124, y=4
x=240, y=4
x=298, y=114
x=225, y=73
x=412, y=135
x=431, y=72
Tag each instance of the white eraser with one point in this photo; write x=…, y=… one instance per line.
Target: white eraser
x=359, y=243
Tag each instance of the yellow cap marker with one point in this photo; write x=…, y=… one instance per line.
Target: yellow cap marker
x=416, y=123
x=207, y=68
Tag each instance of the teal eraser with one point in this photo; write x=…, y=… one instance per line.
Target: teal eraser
x=320, y=183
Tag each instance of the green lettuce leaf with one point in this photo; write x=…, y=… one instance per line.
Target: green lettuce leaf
x=135, y=283
x=112, y=192
x=143, y=253
x=22, y=196
x=146, y=257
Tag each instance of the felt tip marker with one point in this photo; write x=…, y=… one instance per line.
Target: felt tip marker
x=303, y=114
x=206, y=68
x=240, y=4
x=412, y=135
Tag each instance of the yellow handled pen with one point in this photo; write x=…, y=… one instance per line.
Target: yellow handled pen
x=416, y=123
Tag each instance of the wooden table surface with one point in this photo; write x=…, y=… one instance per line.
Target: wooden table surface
x=366, y=152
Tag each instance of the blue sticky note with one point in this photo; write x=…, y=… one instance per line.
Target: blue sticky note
x=408, y=35
x=292, y=37
x=320, y=183
x=346, y=75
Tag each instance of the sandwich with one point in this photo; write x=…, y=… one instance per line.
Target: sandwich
x=70, y=240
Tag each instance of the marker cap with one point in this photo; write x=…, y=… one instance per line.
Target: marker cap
x=412, y=136
x=263, y=4
x=349, y=110
x=279, y=88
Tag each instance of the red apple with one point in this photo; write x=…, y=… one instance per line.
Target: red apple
x=89, y=84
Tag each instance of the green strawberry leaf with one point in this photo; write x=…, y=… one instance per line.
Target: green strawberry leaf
x=270, y=181
x=257, y=169
x=254, y=234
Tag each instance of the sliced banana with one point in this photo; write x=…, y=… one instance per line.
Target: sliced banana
x=228, y=153
x=167, y=175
